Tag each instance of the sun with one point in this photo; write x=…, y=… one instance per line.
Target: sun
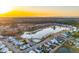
x=5, y=9
x=5, y=6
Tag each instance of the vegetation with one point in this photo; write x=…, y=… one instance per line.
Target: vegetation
x=76, y=34
x=69, y=22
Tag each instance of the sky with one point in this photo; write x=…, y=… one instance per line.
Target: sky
x=40, y=11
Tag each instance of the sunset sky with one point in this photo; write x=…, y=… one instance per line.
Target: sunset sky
x=42, y=11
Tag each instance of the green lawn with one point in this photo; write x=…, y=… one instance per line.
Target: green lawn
x=76, y=34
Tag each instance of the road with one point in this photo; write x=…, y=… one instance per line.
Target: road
x=16, y=50
x=56, y=48
x=41, y=43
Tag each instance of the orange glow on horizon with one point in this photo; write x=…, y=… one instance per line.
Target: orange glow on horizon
x=39, y=11
x=16, y=13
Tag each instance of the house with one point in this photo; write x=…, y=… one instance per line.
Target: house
x=31, y=51
x=2, y=46
x=25, y=46
x=14, y=41
x=4, y=50
x=1, y=36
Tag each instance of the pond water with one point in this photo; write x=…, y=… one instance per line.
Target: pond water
x=64, y=50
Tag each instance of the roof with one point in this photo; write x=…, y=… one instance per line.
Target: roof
x=32, y=51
